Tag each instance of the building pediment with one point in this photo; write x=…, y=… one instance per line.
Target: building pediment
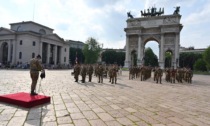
x=54, y=37
x=6, y=31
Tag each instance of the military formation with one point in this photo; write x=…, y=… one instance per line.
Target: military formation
x=172, y=75
x=98, y=70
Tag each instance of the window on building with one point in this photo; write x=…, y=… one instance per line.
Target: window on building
x=33, y=55
x=64, y=59
x=21, y=42
x=20, y=55
x=65, y=49
x=34, y=43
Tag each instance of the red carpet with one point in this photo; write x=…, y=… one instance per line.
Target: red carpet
x=25, y=99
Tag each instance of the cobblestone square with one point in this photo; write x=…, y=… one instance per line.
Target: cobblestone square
x=129, y=102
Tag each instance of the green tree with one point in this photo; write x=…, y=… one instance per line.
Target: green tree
x=187, y=59
x=200, y=65
x=168, y=59
x=91, y=50
x=206, y=57
x=111, y=57
x=150, y=59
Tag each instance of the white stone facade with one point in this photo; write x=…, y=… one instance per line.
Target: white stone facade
x=165, y=30
x=25, y=40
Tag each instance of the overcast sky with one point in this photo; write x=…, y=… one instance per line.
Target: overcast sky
x=105, y=20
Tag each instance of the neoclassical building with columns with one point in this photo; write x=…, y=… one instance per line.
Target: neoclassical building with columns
x=25, y=40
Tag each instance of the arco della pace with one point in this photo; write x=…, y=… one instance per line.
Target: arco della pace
x=165, y=30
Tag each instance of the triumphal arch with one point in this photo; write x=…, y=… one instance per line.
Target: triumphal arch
x=164, y=29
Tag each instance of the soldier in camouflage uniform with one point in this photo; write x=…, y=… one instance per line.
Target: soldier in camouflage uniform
x=159, y=75
x=90, y=72
x=35, y=67
x=114, y=74
x=83, y=73
x=155, y=73
x=110, y=73
x=100, y=73
x=76, y=72
x=173, y=75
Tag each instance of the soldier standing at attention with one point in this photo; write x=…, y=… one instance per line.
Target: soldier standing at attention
x=159, y=75
x=83, y=73
x=114, y=74
x=76, y=72
x=35, y=67
x=100, y=73
x=90, y=72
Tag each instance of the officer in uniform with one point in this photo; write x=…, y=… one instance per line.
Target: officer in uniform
x=35, y=67
x=90, y=72
x=76, y=72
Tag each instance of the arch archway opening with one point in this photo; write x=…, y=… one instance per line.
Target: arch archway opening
x=168, y=59
x=133, y=58
x=151, y=53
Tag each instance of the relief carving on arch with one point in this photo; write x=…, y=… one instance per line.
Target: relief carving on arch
x=134, y=23
x=170, y=20
x=133, y=42
x=170, y=40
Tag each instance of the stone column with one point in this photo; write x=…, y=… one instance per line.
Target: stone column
x=139, y=58
x=9, y=51
x=162, y=55
x=127, y=55
x=48, y=53
x=55, y=55
x=40, y=48
x=176, y=58
x=14, y=42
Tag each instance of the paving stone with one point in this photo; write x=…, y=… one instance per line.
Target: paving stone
x=21, y=113
x=133, y=118
x=180, y=121
x=5, y=117
x=105, y=116
x=32, y=116
x=130, y=110
x=64, y=120
x=61, y=113
x=73, y=110
x=81, y=122
x=113, y=123
x=48, y=118
x=16, y=121
x=90, y=115
x=125, y=121
x=115, y=107
x=77, y=116
x=3, y=123
x=49, y=123
x=141, y=102
x=32, y=122
x=98, y=110
x=97, y=122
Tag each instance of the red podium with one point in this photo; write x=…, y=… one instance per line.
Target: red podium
x=25, y=99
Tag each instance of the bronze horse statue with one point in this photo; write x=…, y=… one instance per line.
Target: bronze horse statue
x=129, y=15
x=176, y=10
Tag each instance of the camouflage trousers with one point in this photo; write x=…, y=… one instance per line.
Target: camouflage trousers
x=34, y=78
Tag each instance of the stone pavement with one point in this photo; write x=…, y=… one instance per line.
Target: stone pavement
x=128, y=103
